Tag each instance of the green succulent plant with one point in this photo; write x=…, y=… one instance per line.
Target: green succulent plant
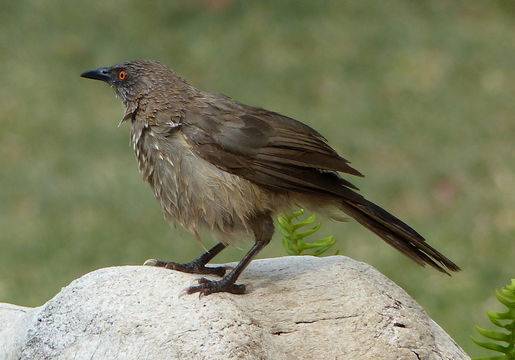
x=295, y=232
x=506, y=322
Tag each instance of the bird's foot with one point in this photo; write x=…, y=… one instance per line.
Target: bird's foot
x=207, y=287
x=191, y=267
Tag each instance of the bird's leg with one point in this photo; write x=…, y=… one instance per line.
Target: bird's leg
x=263, y=227
x=226, y=284
x=196, y=266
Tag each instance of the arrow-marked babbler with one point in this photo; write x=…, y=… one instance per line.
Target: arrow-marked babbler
x=216, y=164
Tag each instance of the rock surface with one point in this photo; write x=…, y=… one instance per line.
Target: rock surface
x=296, y=308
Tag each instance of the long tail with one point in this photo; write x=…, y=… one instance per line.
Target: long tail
x=397, y=234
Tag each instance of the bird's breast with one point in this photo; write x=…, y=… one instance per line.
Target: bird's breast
x=192, y=191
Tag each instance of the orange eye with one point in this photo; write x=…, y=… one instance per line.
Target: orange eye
x=122, y=75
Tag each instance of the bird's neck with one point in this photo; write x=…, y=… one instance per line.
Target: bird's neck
x=160, y=102
x=159, y=107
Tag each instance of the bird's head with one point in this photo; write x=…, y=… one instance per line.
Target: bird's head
x=133, y=80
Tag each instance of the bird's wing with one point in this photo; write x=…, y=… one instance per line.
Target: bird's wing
x=266, y=148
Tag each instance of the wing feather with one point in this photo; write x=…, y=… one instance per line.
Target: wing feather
x=268, y=148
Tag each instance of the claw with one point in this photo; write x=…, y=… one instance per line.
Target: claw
x=151, y=262
x=184, y=292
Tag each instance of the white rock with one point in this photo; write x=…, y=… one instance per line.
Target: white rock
x=296, y=308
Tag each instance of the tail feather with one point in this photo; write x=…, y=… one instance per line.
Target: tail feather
x=397, y=234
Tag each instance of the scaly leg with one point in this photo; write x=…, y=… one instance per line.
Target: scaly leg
x=263, y=227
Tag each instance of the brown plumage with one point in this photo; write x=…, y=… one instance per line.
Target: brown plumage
x=220, y=165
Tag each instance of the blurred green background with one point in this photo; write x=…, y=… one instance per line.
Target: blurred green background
x=419, y=95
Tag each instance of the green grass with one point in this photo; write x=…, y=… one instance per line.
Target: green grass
x=419, y=95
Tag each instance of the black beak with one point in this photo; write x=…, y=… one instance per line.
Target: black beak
x=97, y=74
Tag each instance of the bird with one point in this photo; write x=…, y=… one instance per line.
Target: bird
x=217, y=165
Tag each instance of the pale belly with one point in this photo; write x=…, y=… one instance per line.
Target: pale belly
x=196, y=194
